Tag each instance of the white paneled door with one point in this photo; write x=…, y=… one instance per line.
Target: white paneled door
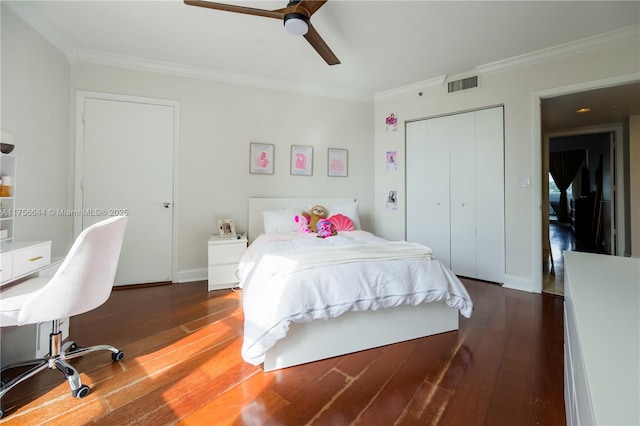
x=462, y=172
x=428, y=212
x=126, y=165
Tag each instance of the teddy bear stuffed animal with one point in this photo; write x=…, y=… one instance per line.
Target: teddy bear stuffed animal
x=316, y=213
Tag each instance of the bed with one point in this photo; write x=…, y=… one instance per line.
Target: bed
x=307, y=298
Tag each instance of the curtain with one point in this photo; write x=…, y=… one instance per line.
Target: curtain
x=564, y=167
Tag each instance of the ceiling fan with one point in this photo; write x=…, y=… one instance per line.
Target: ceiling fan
x=296, y=17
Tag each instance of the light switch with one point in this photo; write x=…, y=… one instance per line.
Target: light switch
x=523, y=183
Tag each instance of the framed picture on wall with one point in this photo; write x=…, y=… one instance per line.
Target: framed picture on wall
x=301, y=160
x=261, y=158
x=338, y=162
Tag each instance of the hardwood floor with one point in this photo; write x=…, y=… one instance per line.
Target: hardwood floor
x=183, y=366
x=561, y=238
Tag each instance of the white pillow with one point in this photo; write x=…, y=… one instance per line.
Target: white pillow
x=276, y=221
x=349, y=209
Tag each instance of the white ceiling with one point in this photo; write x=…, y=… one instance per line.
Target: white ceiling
x=383, y=45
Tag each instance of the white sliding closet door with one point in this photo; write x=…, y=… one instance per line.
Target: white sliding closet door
x=428, y=186
x=462, y=173
x=455, y=190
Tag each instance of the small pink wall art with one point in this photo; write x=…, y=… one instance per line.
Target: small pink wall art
x=338, y=162
x=261, y=158
x=391, y=122
x=301, y=160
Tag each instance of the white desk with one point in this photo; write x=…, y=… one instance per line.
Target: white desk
x=602, y=339
x=20, y=259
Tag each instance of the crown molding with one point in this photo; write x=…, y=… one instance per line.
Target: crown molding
x=543, y=55
x=140, y=64
x=24, y=10
x=75, y=56
x=411, y=88
x=563, y=50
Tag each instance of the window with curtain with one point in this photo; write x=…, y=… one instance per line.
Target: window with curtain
x=563, y=167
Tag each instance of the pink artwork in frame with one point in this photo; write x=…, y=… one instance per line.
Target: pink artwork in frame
x=338, y=162
x=301, y=160
x=261, y=158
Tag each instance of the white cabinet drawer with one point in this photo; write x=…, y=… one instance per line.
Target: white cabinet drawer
x=6, y=267
x=226, y=253
x=32, y=258
x=223, y=274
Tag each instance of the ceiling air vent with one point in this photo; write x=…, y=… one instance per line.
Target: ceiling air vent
x=463, y=84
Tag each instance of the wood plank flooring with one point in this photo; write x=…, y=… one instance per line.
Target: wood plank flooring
x=183, y=366
x=561, y=238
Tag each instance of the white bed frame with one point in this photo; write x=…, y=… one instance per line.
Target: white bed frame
x=353, y=331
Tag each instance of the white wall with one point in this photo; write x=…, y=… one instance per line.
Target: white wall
x=218, y=121
x=35, y=107
x=634, y=183
x=517, y=89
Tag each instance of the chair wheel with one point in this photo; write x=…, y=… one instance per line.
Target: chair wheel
x=81, y=392
x=117, y=356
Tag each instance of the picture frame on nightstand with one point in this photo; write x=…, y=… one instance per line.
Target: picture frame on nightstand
x=226, y=228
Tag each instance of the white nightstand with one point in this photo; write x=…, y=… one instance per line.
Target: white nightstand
x=224, y=255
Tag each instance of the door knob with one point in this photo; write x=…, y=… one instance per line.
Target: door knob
x=166, y=205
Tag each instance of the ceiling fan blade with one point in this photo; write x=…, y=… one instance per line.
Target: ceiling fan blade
x=278, y=13
x=311, y=6
x=321, y=47
x=306, y=8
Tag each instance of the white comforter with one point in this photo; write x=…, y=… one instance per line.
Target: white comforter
x=284, y=281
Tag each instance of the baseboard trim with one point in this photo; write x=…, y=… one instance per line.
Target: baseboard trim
x=189, y=275
x=518, y=283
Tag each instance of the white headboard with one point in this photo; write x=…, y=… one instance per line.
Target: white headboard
x=258, y=205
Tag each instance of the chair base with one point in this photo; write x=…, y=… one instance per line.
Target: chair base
x=57, y=359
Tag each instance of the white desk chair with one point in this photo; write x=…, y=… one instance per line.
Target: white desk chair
x=83, y=282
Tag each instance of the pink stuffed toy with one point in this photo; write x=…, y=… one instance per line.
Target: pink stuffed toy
x=303, y=223
x=326, y=228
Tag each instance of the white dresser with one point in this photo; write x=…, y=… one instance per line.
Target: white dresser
x=602, y=339
x=224, y=256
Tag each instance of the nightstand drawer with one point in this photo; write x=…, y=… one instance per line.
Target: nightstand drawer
x=32, y=258
x=223, y=274
x=228, y=252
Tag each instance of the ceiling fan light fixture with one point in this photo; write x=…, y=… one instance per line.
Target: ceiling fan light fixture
x=296, y=24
